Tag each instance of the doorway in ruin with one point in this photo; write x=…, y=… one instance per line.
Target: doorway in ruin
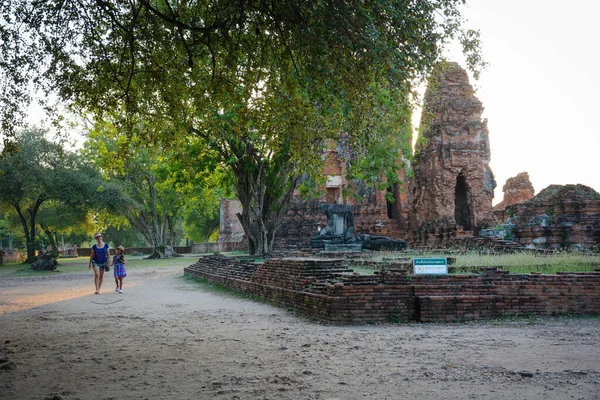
x=462, y=203
x=390, y=206
x=332, y=195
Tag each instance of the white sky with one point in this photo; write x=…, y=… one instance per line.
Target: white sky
x=541, y=90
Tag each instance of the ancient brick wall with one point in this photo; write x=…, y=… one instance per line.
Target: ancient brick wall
x=324, y=289
x=303, y=219
x=573, y=217
x=299, y=225
x=371, y=216
x=453, y=184
x=459, y=298
x=517, y=189
x=10, y=256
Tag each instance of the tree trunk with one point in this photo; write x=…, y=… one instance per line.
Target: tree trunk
x=211, y=228
x=160, y=249
x=45, y=262
x=32, y=235
x=143, y=224
x=29, y=228
x=148, y=223
x=163, y=251
x=30, y=246
x=170, y=233
x=156, y=228
x=265, y=193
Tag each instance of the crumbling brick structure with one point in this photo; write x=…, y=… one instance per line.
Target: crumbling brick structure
x=517, y=189
x=453, y=184
x=324, y=289
x=231, y=233
x=560, y=216
x=373, y=214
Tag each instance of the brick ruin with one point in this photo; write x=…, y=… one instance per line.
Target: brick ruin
x=372, y=213
x=517, y=189
x=453, y=185
x=325, y=289
x=560, y=216
x=231, y=233
x=447, y=202
x=448, y=198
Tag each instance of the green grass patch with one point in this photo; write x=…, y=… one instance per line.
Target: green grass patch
x=76, y=265
x=523, y=263
x=19, y=270
x=517, y=263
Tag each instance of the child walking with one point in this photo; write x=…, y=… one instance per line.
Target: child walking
x=119, y=268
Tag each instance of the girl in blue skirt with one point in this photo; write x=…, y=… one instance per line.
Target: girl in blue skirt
x=119, y=268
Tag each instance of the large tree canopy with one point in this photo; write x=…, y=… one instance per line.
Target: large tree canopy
x=258, y=85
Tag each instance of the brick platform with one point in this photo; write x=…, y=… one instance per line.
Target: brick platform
x=326, y=290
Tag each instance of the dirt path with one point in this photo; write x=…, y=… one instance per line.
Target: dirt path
x=169, y=337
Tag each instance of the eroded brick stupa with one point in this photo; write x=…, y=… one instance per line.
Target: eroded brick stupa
x=560, y=216
x=453, y=185
x=517, y=190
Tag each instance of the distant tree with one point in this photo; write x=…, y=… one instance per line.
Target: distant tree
x=202, y=209
x=124, y=235
x=142, y=169
x=201, y=217
x=79, y=238
x=260, y=85
x=202, y=186
x=56, y=218
x=38, y=172
x=11, y=234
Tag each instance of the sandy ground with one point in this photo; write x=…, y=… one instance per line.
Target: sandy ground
x=170, y=337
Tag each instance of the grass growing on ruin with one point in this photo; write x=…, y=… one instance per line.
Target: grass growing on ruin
x=523, y=263
x=518, y=263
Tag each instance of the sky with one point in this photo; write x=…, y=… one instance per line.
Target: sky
x=541, y=90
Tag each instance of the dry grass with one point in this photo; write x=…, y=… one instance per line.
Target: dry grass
x=531, y=262
x=521, y=263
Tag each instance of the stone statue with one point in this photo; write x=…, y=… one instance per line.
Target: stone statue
x=340, y=226
x=340, y=231
x=339, y=220
x=374, y=242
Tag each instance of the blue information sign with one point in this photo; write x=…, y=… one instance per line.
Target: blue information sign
x=430, y=266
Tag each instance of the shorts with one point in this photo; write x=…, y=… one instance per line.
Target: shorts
x=101, y=266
